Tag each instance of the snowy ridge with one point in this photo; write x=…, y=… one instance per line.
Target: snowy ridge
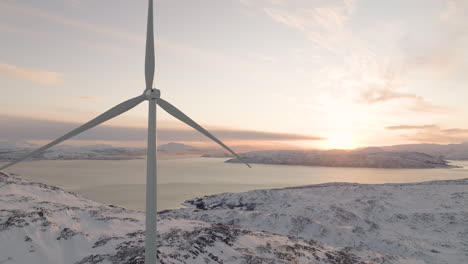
x=43, y=224
x=419, y=222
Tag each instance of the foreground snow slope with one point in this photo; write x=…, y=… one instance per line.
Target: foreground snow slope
x=43, y=224
x=424, y=222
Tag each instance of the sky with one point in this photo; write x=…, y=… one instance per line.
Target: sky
x=258, y=73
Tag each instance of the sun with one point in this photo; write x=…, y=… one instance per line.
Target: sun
x=340, y=140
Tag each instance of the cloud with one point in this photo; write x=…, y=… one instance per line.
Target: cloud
x=324, y=24
x=87, y=98
x=416, y=103
x=444, y=55
x=21, y=128
x=99, y=29
x=454, y=12
x=432, y=134
x=455, y=131
x=377, y=78
x=321, y=21
x=377, y=95
x=380, y=82
x=75, y=3
x=203, y=54
x=8, y=28
x=406, y=127
x=30, y=74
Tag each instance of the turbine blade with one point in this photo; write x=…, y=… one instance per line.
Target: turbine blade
x=172, y=110
x=109, y=114
x=149, y=53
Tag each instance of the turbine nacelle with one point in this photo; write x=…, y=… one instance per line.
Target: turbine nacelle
x=152, y=94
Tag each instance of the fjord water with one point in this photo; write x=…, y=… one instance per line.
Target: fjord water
x=122, y=182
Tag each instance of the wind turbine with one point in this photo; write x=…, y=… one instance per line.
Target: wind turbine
x=154, y=97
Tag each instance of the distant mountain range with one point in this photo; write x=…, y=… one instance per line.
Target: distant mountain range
x=14, y=150
x=361, y=158
x=179, y=148
x=398, y=156
x=449, y=152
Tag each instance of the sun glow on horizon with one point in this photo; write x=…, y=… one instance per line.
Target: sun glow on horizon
x=340, y=140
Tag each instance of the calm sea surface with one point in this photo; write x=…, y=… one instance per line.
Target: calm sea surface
x=122, y=183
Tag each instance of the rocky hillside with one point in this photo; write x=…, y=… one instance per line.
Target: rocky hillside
x=43, y=224
x=419, y=222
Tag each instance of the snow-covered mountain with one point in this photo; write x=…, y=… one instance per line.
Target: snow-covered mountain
x=43, y=224
x=418, y=222
x=368, y=158
x=13, y=150
x=178, y=148
x=450, y=151
x=9, y=145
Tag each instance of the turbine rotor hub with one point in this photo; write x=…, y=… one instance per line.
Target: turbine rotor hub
x=152, y=94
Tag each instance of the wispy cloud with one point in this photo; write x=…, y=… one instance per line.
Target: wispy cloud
x=75, y=3
x=22, y=128
x=432, y=134
x=373, y=80
x=377, y=95
x=455, y=131
x=416, y=103
x=100, y=29
x=443, y=56
x=406, y=127
x=203, y=54
x=376, y=77
x=454, y=12
x=87, y=98
x=8, y=28
x=30, y=74
x=323, y=24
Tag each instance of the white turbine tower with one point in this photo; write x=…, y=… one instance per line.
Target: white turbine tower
x=153, y=97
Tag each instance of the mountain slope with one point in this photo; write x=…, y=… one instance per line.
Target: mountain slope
x=420, y=222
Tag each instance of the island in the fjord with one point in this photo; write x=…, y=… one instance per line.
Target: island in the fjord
x=326, y=223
